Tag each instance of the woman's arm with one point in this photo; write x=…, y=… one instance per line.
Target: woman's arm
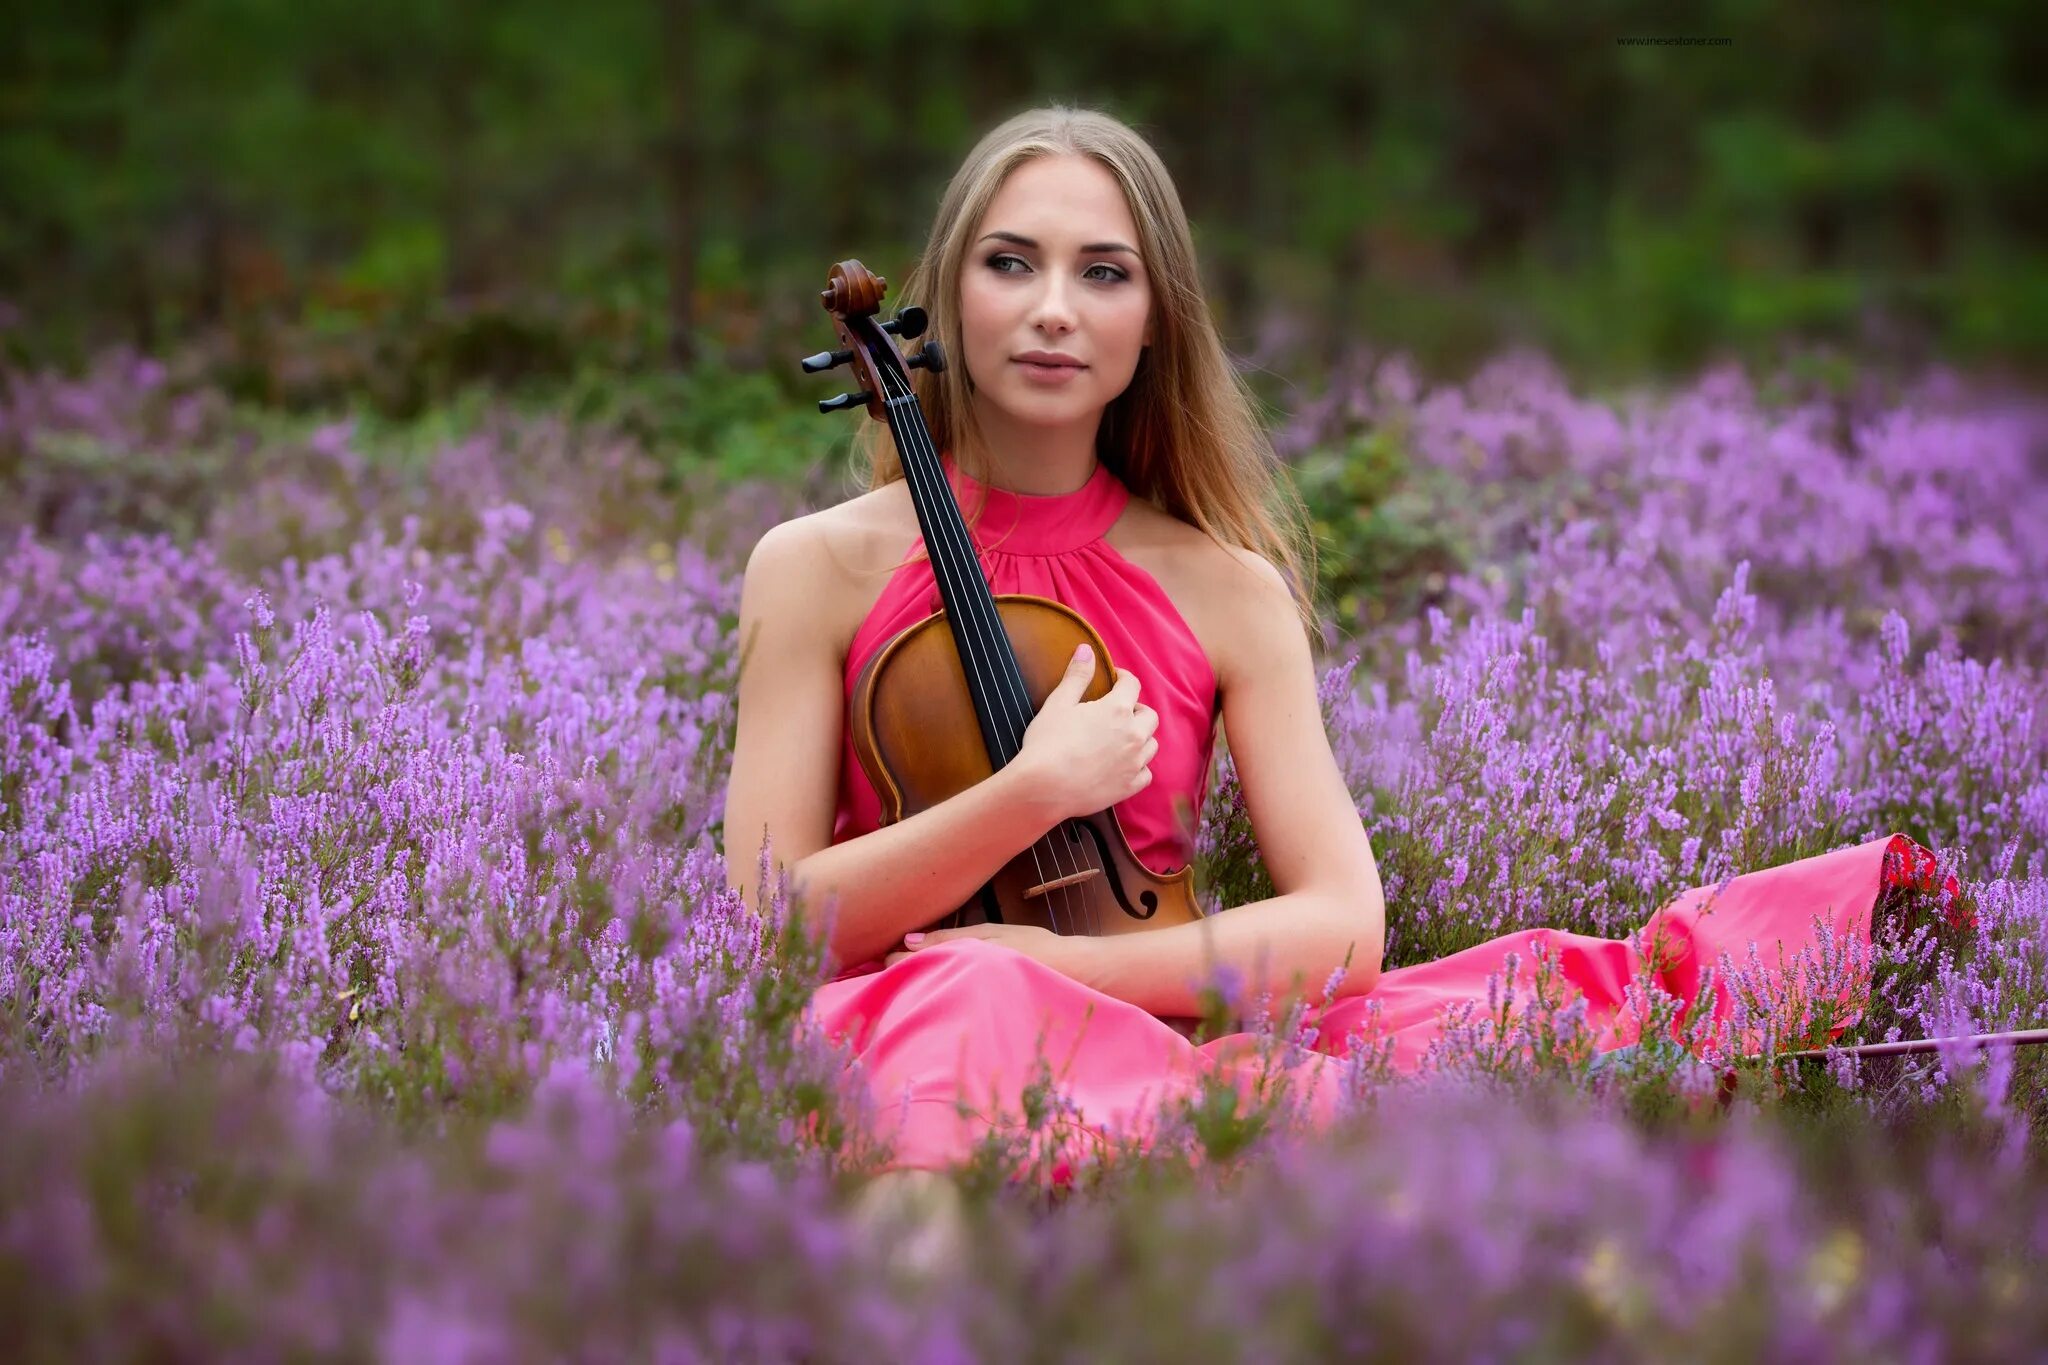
x=785, y=774
x=1330, y=901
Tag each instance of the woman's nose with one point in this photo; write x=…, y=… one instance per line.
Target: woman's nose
x=1053, y=307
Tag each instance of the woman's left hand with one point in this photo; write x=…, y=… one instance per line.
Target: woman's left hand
x=1064, y=953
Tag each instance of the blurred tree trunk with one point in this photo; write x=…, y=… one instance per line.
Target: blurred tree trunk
x=1352, y=263
x=1924, y=209
x=466, y=274
x=753, y=209
x=141, y=297
x=211, y=277
x=1822, y=226
x=681, y=168
x=122, y=22
x=1234, y=187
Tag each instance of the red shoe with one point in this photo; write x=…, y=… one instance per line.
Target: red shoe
x=1910, y=868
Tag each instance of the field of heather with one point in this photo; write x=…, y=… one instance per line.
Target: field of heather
x=370, y=985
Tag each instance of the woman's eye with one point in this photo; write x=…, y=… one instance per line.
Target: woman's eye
x=996, y=263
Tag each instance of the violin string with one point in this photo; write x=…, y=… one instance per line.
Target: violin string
x=982, y=641
x=979, y=644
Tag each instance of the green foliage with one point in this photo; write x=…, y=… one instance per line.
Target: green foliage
x=200, y=164
x=1381, y=550
x=746, y=425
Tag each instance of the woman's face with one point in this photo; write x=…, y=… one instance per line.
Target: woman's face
x=1054, y=268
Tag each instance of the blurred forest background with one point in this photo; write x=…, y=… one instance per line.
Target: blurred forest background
x=377, y=204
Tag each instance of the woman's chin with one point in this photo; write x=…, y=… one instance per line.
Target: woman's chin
x=1039, y=409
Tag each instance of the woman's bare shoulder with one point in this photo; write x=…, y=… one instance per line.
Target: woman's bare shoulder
x=847, y=547
x=1146, y=527
x=1213, y=585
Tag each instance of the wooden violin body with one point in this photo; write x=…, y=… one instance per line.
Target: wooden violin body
x=914, y=731
x=945, y=703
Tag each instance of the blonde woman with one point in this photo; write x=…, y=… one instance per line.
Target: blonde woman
x=1107, y=456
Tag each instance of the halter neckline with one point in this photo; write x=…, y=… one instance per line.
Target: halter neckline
x=1039, y=524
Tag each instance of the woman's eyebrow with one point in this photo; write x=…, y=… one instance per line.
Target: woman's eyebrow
x=1093, y=248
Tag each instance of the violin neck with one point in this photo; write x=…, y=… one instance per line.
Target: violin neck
x=994, y=680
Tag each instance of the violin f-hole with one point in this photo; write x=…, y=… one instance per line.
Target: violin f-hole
x=1148, y=898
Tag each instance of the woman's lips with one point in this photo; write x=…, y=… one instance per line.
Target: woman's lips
x=1048, y=374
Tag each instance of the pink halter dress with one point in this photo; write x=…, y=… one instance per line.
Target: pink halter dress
x=963, y=1022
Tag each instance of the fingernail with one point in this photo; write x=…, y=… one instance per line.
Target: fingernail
x=912, y=940
x=1082, y=652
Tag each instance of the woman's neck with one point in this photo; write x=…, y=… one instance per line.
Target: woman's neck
x=1035, y=460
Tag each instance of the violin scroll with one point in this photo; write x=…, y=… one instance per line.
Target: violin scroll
x=852, y=296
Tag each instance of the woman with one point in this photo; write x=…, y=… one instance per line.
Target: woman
x=1106, y=455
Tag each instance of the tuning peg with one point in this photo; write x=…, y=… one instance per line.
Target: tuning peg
x=908, y=322
x=825, y=360
x=857, y=399
x=928, y=357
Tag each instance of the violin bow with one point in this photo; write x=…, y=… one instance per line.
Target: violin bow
x=2018, y=1038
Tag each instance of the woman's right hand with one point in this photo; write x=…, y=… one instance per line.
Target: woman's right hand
x=1087, y=756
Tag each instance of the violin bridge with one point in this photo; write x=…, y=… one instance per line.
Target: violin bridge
x=1056, y=883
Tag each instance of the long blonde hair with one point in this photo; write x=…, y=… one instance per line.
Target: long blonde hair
x=1185, y=433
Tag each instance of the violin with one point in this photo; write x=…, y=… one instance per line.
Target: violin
x=944, y=703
